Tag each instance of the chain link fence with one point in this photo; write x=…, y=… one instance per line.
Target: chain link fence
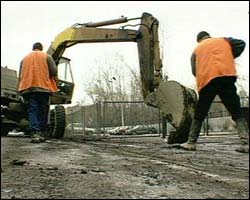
x=219, y=120
x=114, y=118
x=136, y=118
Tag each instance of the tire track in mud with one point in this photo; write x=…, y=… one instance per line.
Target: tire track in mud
x=124, y=169
x=121, y=149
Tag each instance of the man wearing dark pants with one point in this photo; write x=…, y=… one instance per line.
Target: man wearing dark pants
x=38, y=107
x=36, y=84
x=214, y=68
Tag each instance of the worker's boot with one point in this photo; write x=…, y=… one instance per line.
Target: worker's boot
x=193, y=136
x=243, y=131
x=37, y=137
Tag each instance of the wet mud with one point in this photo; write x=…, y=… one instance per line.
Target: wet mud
x=119, y=168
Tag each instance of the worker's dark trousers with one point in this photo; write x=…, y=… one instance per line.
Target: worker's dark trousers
x=226, y=89
x=38, y=108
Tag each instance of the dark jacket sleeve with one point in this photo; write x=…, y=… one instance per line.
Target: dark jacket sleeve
x=52, y=66
x=193, y=64
x=237, y=45
x=20, y=69
x=20, y=73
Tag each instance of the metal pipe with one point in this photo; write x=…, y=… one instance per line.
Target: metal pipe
x=105, y=23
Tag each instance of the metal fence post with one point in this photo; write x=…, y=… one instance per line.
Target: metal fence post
x=72, y=121
x=82, y=120
x=98, y=113
x=122, y=114
x=104, y=113
x=164, y=126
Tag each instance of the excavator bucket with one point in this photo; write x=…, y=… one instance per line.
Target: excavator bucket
x=177, y=103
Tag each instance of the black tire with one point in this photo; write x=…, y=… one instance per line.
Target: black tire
x=4, y=131
x=57, y=122
x=6, y=128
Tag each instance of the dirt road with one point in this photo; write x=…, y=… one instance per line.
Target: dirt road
x=132, y=168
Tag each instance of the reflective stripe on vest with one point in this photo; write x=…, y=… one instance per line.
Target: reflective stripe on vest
x=35, y=72
x=214, y=59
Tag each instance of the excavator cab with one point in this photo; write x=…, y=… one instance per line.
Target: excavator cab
x=65, y=83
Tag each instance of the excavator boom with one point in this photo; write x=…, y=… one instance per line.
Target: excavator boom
x=146, y=37
x=174, y=100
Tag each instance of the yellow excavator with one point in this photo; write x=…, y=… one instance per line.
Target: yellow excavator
x=175, y=101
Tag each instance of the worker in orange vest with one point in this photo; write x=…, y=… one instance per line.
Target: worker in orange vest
x=37, y=82
x=214, y=68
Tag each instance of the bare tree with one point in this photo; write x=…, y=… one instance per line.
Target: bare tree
x=112, y=82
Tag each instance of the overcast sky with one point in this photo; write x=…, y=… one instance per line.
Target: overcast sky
x=24, y=23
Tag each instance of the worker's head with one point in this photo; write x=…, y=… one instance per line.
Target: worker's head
x=37, y=46
x=202, y=35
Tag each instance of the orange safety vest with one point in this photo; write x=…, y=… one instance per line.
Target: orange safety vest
x=213, y=58
x=35, y=73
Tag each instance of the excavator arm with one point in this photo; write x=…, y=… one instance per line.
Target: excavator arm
x=146, y=37
x=174, y=100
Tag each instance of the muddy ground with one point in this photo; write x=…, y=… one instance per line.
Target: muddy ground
x=119, y=168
